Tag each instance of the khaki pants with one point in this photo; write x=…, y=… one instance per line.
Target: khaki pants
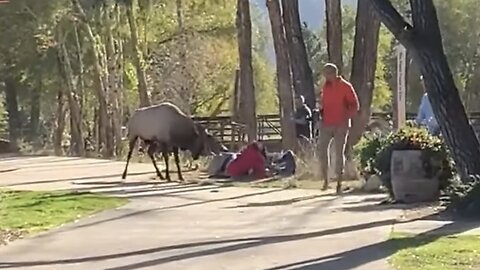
x=339, y=136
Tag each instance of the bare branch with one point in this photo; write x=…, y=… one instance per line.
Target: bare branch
x=216, y=29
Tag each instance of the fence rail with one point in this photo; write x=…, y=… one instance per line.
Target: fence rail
x=233, y=134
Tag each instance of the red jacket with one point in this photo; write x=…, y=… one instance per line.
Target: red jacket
x=339, y=102
x=248, y=159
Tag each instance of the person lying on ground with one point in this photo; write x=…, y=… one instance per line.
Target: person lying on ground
x=284, y=165
x=249, y=163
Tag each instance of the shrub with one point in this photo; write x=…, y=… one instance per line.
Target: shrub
x=462, y=198
x=366, y=150
x=375, y=152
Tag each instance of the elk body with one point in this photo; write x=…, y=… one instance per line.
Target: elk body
x=166, y=129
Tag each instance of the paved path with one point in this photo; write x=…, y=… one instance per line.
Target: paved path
x=172, y=226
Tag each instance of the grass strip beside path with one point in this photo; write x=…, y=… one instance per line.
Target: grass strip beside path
x=34, y=211
x=458, y=252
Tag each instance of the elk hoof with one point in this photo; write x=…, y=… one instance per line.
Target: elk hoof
x=325, y=186
x=339, y=189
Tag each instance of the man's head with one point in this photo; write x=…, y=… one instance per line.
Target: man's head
x=423, y=84
x=299, y=100
x=330, y=72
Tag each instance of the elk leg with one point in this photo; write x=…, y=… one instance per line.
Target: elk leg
x=165, y=158
x=131, y=145
x=151, y=153
x=177, y=162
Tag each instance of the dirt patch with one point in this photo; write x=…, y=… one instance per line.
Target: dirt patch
x=7, y=236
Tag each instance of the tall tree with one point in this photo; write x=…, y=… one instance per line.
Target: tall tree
x=333, y=12
x=284, y=82
x=59, y=126
x=137, y=56
x=77, y=143
x=247, y=102
x=100, y=82
x=35, y=107
x=113, y=48
x=185, y=94
x=11, y=100
x=424, y=40
x=299, y=64
x=364, y=65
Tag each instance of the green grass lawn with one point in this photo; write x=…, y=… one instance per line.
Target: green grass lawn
x=439, y=253
x=33, y=211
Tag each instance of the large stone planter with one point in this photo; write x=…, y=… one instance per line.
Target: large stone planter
x=409, y=181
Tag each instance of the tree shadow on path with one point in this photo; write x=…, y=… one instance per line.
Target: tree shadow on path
x=340, y=261
x=141, y=212
x=360, y=256
x=238, y=244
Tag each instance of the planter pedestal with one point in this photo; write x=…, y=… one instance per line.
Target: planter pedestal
x=409, y=181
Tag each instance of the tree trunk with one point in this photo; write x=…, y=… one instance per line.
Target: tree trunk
x=364, y=65
x=137, y=58
x=76, y=143
x=35, y=110
x=247, y=87
x=300, y=68
x=81, y=69
x=145, y=9
x=333, y=12
x=59, y=124
x=11, y=100
x=118, y=112
x=236, y=133
x=284, y=82
x=96, y=131
x=114, y=77
x=185, y=94
x=236, y=92
x=99, y=80
x=424, y=41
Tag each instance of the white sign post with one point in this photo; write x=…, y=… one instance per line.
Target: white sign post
x=400, y=93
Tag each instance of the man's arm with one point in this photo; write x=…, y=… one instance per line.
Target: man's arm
x=351, y=99
x=308, y=113
x=320, y=103
x=300, y=117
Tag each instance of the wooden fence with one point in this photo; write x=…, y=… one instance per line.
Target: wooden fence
x=233, y=134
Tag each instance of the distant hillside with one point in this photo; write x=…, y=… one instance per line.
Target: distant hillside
x=311, y=11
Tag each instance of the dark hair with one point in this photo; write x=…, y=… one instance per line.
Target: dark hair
x=300, y=97
x=331, y=67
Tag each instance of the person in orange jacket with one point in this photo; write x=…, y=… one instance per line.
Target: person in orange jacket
x=339, y=104
x=251, y=161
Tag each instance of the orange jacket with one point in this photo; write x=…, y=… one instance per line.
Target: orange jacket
x=339, y=102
